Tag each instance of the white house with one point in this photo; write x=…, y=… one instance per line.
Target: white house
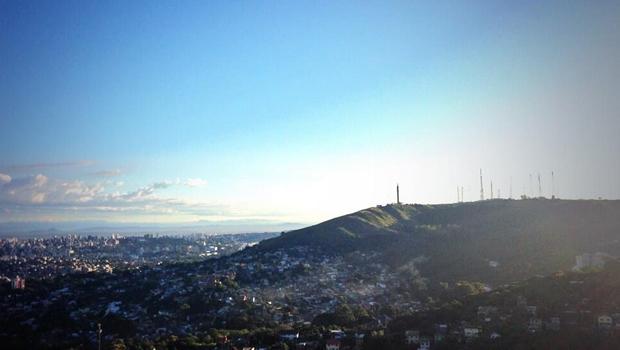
x=605, y=322
x=413, y=337
x=471, y=332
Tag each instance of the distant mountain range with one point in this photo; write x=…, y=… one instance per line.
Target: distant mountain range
x=26, y=229
x=493, y=241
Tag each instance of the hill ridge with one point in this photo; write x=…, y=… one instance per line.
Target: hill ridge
x=518, y=237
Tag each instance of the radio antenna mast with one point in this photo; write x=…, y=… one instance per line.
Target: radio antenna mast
x=99, y=331
x=481, y=187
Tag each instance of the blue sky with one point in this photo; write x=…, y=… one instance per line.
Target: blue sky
x=299, y=111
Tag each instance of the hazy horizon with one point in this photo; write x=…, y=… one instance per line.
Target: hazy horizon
x=149, y=113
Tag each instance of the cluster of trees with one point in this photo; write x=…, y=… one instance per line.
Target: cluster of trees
x=344, y=315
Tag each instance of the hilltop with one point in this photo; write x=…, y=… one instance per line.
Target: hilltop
x=495, y=240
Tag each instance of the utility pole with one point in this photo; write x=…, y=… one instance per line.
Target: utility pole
x=539, y=186
x=491, y=189
x=510, y=188
x=99, y=331
x=397, y=194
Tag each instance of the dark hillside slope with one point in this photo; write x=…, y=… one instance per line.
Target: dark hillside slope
x=496, y=240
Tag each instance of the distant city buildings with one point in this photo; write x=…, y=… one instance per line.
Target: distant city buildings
x=588, y=261
x=44, y=258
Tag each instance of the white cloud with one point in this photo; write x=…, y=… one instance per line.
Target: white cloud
x=34, y=194
x=4, y=178
x=40, y=180
x=196, y=182
x=37, y=197
x=39, y=189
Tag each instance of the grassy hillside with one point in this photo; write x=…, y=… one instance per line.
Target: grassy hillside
x=496, y=240
x=349, y=231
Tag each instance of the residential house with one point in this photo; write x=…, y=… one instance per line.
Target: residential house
x=222, y=339
x=337, y=334
x=332, y=344
x=289, y=335
x=605, y=322
x=534, y=325
x=471, y=332
x=412, y=337
x=425, y=343
x=18, y=283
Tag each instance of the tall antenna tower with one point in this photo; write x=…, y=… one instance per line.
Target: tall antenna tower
x=481, y=187
x=397, y=194
x=539, y=187
x=552, y=185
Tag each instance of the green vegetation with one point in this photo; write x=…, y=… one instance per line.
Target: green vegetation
x=496, y=241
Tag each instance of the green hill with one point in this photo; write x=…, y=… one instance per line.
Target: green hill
x=349, y=231
x=495, y=240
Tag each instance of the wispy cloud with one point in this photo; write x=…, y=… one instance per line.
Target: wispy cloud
x=144, y=192
x=196, y=182
x=39, y=189
x=39, y=193
x=107, y=173
x=39, y=166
